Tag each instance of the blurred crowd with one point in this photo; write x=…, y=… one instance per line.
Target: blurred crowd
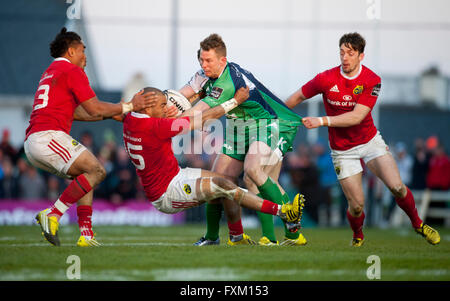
x=308, y=169
x=20, y=180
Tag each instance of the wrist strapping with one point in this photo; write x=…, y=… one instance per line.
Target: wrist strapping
x=127, y=107
x=325, y=121
x=229, y=105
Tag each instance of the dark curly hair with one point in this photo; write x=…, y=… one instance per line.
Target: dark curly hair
x=353, y=40
x=63, y=40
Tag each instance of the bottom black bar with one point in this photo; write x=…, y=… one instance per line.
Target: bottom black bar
x=226, y=290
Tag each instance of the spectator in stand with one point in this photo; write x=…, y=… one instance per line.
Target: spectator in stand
x=405, y=167
x=438, y=177
x=404, y=162
x=122, y=178
x=420, y=165
x=6, y=147
x=327, y=175
x=53, y=187
x=31, y=184
x=9, y=180
x=88, y=141
x=305, y=178
x=1, y=165
x=140, y=192
x=106, y=157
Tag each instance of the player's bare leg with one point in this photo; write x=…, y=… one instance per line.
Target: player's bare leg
x=88, y=165
x=353, y=191
x=262, y=166
x=386, y=169
x=218, y=186
x=258, y=156
x=273, y=171
x=230, y=168
x=87, y=172
x=257, y=163
x=267, y=226
x=95, y=173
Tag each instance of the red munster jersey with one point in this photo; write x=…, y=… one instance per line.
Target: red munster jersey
x=148, y=142
x=340, y=95
x=62, y=87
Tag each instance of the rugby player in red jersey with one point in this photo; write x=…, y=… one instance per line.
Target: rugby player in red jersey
x=64, y=94
x=147, y=136
x=349, y=92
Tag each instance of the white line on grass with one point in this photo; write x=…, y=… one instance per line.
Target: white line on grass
x=131, y=244
x=206, y=274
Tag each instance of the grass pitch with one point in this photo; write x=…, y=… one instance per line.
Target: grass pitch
x=167, y=253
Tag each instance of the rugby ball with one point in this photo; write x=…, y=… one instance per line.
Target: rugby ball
x=178, y=100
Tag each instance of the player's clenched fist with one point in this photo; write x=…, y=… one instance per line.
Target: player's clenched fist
x=311, y=122
x=241, y=95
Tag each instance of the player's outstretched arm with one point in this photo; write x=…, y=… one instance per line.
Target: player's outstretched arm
x=295, y=99
x=200, y=106
x=197, y=96
x=80, y=114
x=97, y=108
x=348, y=119
x=216, y=112
x=190, y=94
x=193, y=90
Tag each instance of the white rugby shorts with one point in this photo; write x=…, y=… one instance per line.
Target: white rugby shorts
x=53, y=151
x=181, y=194
x=347, y=163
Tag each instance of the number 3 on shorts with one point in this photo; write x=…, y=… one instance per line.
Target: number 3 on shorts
x=43, y=96
x=141, y=164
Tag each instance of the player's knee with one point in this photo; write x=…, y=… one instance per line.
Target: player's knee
x=223, y=183
x=210, y=189
x=247, y=180
x=398, y=191
x=356, y=209
x=101, y=173
x=98, y=172
x=252, y=172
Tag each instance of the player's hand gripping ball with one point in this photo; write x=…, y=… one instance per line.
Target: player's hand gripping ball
x=177, y=99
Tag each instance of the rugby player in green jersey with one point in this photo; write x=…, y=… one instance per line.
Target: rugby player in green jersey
x=258, y=134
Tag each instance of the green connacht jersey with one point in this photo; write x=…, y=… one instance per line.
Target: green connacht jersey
x=261, y=110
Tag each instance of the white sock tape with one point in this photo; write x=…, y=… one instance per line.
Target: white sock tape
x=61, y=206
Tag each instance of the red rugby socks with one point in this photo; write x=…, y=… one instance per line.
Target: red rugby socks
x=408, y=205
x=84, y=213
x=356, y=223
x=75, y=191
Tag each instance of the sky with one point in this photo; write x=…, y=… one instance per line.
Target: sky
x=284, y=43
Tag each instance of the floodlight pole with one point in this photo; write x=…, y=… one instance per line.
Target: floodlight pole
x=312, y=135
x=174, y=45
